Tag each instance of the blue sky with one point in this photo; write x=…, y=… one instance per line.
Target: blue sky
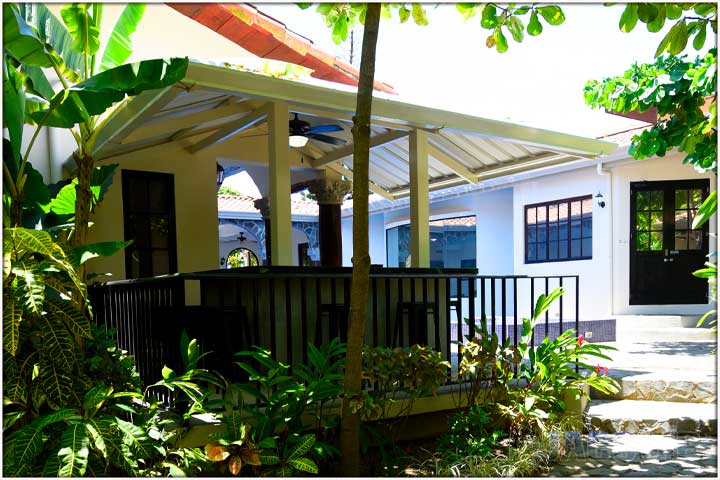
x=539, y=82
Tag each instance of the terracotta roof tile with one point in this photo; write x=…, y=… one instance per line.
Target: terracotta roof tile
x=624, y=138
x=267, y=38
x=245, y=204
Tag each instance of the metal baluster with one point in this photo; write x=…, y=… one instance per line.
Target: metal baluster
x=503, y=293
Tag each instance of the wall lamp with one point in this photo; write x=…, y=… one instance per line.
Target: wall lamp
x=600, y=200
x=220, y=175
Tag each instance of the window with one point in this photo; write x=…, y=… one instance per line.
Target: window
x=149, y=219
x=452, y=244
x=559, y=231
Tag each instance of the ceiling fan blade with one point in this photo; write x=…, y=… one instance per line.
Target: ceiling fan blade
x=325, y=128
x=326, y=138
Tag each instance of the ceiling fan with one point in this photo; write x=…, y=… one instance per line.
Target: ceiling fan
x=242, y=237
x=301, y=131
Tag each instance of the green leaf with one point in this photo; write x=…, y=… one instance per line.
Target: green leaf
x=629, y=18
x=81, y=26
x=21, y=40
x=516, y=27
x=84, y=253
x=74, y=451
x=58, y=344
x=267, y=442
x=552, y=14
x=31, y=283
x=404, y=13
x=657, y=23
x=13, y=115
x=27, y=442
x=340, y=29
x=706, y=210
x=96, y=436
x=119, y=46
x=489, y=18
x=234, y=425
x=534, y=28
x=94, y=399
x=419, y=15
x=647, y=12
x=699, y=40
x=96, y=94
x=303, y=446
x=673, y=11
x=303, y=465
x=705, y=9
x=140, y=443
x=269, y=459
x=679, y=39
x=544, y=302
x=501, y=44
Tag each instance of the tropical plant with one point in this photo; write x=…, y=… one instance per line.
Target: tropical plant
x=471, y=434
x=91, y=82
x=705, y=212
x=232, y=449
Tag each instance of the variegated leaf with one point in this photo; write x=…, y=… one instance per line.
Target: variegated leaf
x=14, y=385
x=234, y=425
x=52, y=465
x=32, y=285
x=56, y=383
x=215, y=452
x=96, y=437
x=12, y=316
x=95, y=398
x=303, y=446
x=74, y=451
x=28, y=442
x=303, y=464
x=75, y=320
x=235, y=465
x=59, y=344
x=137, y=438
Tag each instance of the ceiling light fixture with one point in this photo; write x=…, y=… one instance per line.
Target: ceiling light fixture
x=298, y=141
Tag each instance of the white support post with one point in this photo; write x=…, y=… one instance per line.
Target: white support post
x=279, y=183
x=419, y=201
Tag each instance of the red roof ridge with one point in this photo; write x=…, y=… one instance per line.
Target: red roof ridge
x=266, y=37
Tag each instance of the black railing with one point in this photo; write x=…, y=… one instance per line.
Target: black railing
x=285, y=308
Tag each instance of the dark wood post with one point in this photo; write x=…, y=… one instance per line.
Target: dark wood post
x=263, y=204
x=330, y=195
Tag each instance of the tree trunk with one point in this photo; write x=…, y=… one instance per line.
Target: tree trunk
x=350, y=427
x=83, y=198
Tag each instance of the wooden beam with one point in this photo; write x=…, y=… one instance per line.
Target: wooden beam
x=279, y=180
x=342, y=170
x=456, y=167
x=194, y=120
x=132, y=115
x=419, y=201
x=233, y=128
x=347, y=150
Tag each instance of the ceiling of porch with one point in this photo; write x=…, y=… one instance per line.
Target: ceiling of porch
x=214, y=105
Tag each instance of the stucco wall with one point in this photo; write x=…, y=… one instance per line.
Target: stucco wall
x=195, y=210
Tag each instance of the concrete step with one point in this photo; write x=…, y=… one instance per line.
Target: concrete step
x=678, y=334
x=663, y=385
x=653, y=418
x=655, y=321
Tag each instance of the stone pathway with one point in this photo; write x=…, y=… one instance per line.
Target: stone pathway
x=627, y=455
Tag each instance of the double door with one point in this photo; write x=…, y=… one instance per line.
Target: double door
x=664, y=249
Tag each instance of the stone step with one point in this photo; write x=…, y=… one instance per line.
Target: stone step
x=664, y=385
x=653, y=418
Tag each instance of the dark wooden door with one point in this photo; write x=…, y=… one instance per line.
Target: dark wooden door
x=664, y=249
x=149, y=218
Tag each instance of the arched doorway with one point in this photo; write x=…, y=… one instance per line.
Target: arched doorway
x=241, y=257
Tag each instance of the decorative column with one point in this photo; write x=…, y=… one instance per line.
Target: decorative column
x=263, y=204
x=329, y=194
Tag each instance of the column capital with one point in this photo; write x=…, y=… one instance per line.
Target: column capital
x=329, y=191
x=263, y=204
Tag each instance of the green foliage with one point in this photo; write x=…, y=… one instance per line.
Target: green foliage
x=396, y=377
x=677, y=89
x=692, y=19
x=471, y=434
x=227, y=191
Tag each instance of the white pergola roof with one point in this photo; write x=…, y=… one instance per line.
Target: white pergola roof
x=213, y=104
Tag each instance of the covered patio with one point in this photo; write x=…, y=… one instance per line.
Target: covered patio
x=221, y=118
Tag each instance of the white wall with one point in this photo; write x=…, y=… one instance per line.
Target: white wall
x=595, y=273
x=667, y=168
x=376, y=232
x=604, y=280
